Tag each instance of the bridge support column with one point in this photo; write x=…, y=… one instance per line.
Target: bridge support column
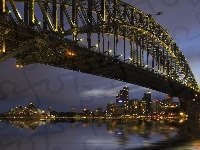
x=2, y=6
x=2, y=31
x=2, y=41
x=31, y=12
x=89, y=22
x=44, y=20
x=103, y=10
x=26, y=12
x=55, y=15
x=74, y=19
x=133, y=53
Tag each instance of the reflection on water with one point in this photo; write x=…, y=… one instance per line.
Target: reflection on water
x=100, y=134
x=31, y=124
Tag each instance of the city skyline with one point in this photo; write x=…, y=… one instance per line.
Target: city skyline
x=45, y=85
x=120, y=99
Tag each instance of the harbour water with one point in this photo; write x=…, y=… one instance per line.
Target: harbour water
x=99, y=134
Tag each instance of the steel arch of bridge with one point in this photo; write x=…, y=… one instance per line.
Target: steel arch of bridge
x=40, y=27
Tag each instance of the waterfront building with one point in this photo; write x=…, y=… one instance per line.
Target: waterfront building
x=119, y=107
x=49, y=111
x=143, y=107
x=87, y=112
x=122, y=101
x=32, y=107
x=168, y=106
x=147, y=98
x=155, y=106
x=99, y=112
x=134, y=107
x=111, y=108
x=18, y=109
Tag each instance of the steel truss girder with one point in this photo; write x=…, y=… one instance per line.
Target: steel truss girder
x=173, y=62
x=103, y=16
x=145, y=24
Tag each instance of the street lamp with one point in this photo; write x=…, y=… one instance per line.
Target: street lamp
x=108, y=51
x=96, y=46
x=81, y=39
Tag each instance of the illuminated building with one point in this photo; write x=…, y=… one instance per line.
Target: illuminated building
x=87, y=112
x=49, y=111
x=167, y=106
x=147, y=98
x=143, y=107
x=134, y=107
x=155, y=106
x=111, y=108
x=99, y=112
x=32, y=107
x=122, y=102
x=119, y=107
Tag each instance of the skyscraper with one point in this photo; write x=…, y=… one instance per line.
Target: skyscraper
x=147, y=98
x=111, y=108
x=134, y=106
x=122, y=100
x=119, y=106
x=155, y=106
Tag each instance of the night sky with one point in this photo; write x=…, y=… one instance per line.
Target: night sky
x=60, y=88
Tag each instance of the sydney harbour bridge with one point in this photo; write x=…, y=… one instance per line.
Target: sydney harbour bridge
x=107, y=38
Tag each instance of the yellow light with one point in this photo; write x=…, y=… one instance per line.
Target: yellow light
x=70, y=53
x=81, y=39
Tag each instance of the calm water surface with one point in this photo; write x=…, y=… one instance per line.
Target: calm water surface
x=99, y=135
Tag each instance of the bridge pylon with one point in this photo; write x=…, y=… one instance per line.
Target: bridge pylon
x=2, y=42
x=2, y=31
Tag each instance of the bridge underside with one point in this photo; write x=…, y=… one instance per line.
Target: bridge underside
x=92, y=62
x=109, y=67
